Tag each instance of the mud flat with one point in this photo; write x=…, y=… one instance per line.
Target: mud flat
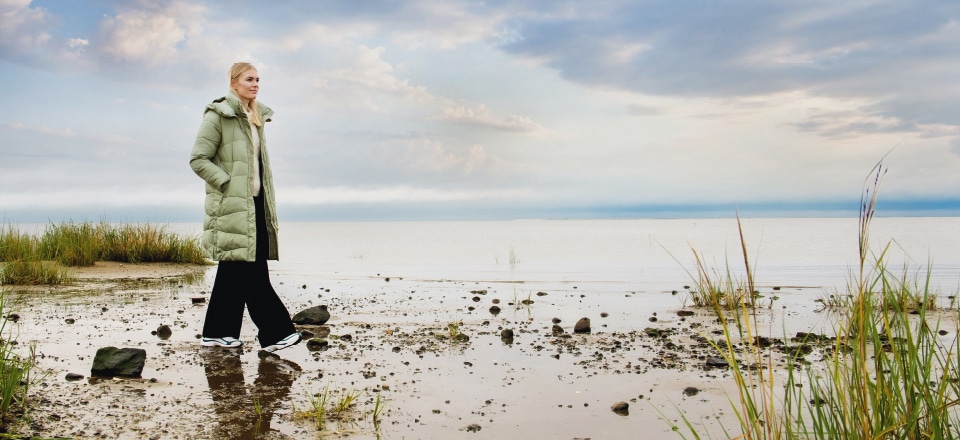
x=388, y=336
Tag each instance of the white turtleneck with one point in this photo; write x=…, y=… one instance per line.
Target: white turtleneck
x=255, y=136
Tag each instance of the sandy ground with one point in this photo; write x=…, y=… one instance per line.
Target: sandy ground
x=388, y=336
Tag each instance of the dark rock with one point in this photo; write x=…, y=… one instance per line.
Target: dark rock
x=555, y=320
x=70, y=320
x=691, y=391
x=604, y=314
x=479, y=292
x=557, y=330
x=347, y=338
x=473, y=428
x=13, y=317
x=496, y=301
x=541, y=293
x=317, y=344
x=582, y=326
x=164, y=332
x=476, y=299
x=506, y=333
x=462, y=338
x=317, y=315
x=943, y=332
x=494, y=310
x=685, y=313
x=526, y=302
x=306, y=334
x=198, y=300
x=715, y=362
x=113, y=361
x=73, y=377
x=621, y=408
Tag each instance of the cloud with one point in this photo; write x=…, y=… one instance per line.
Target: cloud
x=23, y=29
x=363, y=83
x=152, y=34
x=479, y=116
x=893, y=50
x=112, y=138
x=430, y=155
x=400, y=193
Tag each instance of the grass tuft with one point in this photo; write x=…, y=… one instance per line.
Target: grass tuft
x=39, y=260
x=888, y=374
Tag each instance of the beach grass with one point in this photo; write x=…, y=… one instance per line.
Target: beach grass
x=17, y=373
x=42, y=259
x=891, y=371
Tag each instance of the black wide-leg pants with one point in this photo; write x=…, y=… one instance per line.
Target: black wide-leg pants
x=243, y=283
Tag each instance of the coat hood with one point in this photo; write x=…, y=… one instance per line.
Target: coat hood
x=229, y=106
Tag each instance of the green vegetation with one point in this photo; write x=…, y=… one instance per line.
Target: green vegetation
x=324, y=405
x=17, y=374
x=889, y=373
x=42, y=260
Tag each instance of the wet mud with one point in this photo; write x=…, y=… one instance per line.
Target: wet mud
x=450, y=359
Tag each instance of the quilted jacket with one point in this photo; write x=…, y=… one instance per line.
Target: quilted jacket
x=222, y=157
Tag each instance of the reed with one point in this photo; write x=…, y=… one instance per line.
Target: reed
x=889, y=373
x=34, y=272
x=39, y=260
x=17, y=373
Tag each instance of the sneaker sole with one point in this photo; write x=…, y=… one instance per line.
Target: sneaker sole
x=277, y=347
x=207, y=343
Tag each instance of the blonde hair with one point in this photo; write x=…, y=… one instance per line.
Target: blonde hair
x=235, y=71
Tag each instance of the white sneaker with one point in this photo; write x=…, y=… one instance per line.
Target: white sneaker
x=226, y=341
x=289, y=341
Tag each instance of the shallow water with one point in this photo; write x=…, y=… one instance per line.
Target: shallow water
x=393, y=286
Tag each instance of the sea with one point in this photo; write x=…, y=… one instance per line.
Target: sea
x=637, y=255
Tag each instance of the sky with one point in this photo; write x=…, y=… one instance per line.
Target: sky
x=475, y=110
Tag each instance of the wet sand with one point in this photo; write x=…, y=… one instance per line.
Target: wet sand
x=387, y=335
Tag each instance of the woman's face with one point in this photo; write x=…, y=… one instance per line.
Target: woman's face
x=247, y=85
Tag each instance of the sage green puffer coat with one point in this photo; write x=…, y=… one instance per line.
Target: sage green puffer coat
x=222, y=157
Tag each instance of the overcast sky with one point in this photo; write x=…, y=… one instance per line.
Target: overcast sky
x=441, y=109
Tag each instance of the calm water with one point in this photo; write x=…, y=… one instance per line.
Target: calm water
x=634, y=255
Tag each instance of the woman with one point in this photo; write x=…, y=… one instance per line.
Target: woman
x=240, y=226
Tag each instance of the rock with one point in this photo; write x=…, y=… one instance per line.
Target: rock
x=113, y=361
x=557, y=330
x=73, y=377
x=555, y=320
x=462, y=338
x=476, y=299
x=164, y=332
x=604, y=314
x=347, y=338
x=317, y=315
x=479, y=292
x=198, y=300
x=621, y=408
x=582, y=326
x=685, y=313
x=506, y=336
x=715, y=362
x=494, y=310
x=70, y=320
x=541, y=293
x=472, y=428
x=317, y=344
x=13, y=317
x=691, y=391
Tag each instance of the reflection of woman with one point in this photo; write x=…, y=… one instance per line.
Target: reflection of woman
x=231, y=401
x=240, y=226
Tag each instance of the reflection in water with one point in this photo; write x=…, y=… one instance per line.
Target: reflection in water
x=234, y=405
